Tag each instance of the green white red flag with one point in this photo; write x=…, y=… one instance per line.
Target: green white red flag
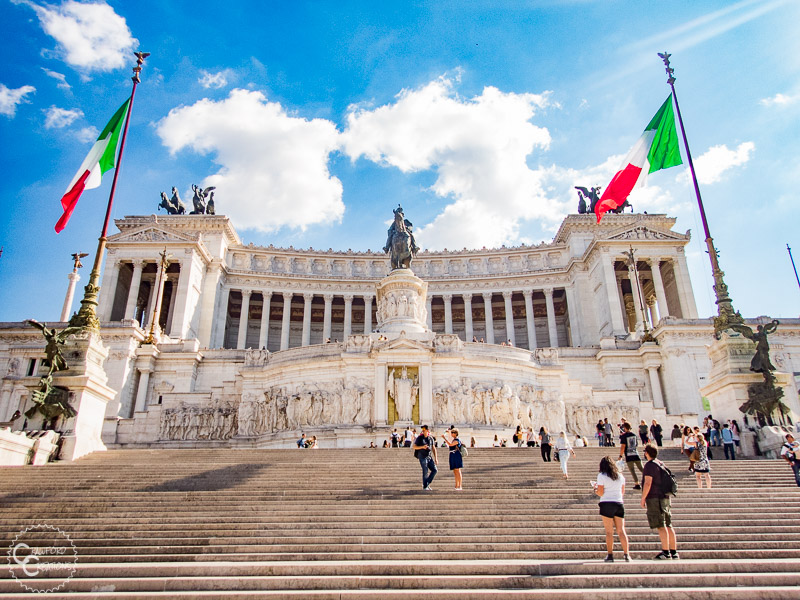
x=657, y=149
x=101, y=158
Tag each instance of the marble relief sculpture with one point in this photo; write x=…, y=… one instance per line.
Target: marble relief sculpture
x=505, y=405
x=281, y=408
x=188, y=422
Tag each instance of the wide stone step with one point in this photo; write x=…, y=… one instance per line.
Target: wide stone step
x=616, y=593
x=429, y=582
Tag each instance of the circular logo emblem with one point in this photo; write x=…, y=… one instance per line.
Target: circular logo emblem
x=42, y=558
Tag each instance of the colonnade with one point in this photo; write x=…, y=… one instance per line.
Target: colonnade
x=224, y=336
x=120, y=303
x=648, y=301
x=268, y=297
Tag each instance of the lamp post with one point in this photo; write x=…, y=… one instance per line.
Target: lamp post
x=726, y=314
x=646, y=336
x=162, y=271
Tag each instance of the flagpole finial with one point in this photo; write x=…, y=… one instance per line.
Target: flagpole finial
x=670, y=71
x=140, y=56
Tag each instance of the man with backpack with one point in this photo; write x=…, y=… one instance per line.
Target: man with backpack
x=627, y=450
x=658, y=484
x=425, y=451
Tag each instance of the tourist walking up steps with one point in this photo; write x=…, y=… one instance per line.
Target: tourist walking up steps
x=702, y=467
x=676, y=436
x=657, y=432
x=456, y=458
x=544, y=443
x=727, y=442
x=610, y=486
x=627, y=450
x=519, y=437
x=530, y=439
x=689, y=443
x=564, y=449
x=657, y=504
x=644, y=432
x=425, y=452
x=790, y=451
x=408, y=438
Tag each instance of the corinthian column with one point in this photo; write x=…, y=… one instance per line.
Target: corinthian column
x=509, y=318
x=367, y=315
x=348, y=316
x=326, y=319
x=468, y=331
x=286, y=323
x=448, y=313
x=263, y=332
x=487, y=303
x=528, y=295
x=133, y=292
x=245, y=315
x=551, y=317
x=658, y=284
x=306, y=339
x=612, y=291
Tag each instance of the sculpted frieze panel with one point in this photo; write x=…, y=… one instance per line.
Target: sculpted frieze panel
x=401, y=303
x=280, y=408
x=188, y=422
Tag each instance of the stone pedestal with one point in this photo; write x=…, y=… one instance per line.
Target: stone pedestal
x=401, y=303
x=730, y=377
x=88, y=393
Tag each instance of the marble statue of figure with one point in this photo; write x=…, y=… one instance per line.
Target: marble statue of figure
x=55, y=339
x=760, y=362
x=403, y=391
x=400, y=241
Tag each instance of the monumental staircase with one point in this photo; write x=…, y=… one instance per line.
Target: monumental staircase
x=324, y=524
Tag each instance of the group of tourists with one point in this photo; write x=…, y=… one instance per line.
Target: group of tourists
x=647, y=433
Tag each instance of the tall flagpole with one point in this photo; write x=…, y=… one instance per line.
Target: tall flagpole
x=726, y=314
x=789, y=250
x=87, y=315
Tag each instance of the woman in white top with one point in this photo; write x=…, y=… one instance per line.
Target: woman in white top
x=610, y=486
x=564, y=449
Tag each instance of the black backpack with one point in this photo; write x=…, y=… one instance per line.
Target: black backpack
x=668, y=483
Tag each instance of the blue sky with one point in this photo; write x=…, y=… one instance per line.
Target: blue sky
x=314, y=119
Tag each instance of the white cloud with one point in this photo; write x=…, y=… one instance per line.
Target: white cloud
x=216, y=80
x=87, y=134
x=717, y=160
x=90, y=36
x=478, y=148
x=58, y=118
x=10, y=99
x=780, y=100
x=60, y=77
x=273, y=167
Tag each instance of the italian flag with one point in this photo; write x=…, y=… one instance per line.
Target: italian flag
x=101, y=158
x=657, y=149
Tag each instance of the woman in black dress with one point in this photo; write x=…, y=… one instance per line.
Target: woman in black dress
x=456, y=460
